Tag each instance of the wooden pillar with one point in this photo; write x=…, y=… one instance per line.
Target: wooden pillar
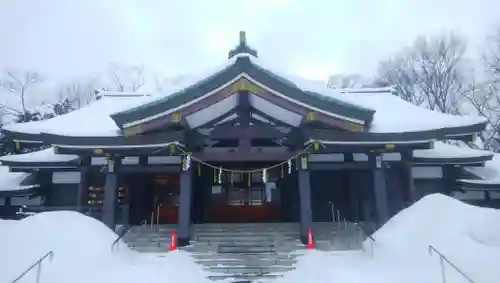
x=408, y=180
x=305, y=199
x=110, y=193
x=83, y=186
x=379, y=187
x=185, y=200
x=450, y=176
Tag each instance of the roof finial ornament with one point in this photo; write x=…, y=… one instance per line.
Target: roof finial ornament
x=243, y=38
x=243, y=47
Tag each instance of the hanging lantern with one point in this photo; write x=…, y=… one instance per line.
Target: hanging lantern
x=220, y=175
x=264, y=176
x=289, y=163
x=172, y=148
x=215, y=176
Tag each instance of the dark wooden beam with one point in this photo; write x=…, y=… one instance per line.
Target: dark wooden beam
x=327, y=166
x=269, y=118
x=244, y=108
x=246, y=132
x=245, y=140
x=303, y=111
x=219, y=119
x=246, y=156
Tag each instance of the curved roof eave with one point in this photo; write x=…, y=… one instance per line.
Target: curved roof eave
x=23, y=137
x=242, y=65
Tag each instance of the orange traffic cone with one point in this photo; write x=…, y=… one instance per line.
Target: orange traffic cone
x=173, y=241
x=310, y=243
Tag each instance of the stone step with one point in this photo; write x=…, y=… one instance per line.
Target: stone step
x=245, y=225
x=247, y=262
x=239, y=239
x=256, y=229
x=245, y=234
x=262, y=256
x=248, y=269
x=162, y=249
x=244, y=277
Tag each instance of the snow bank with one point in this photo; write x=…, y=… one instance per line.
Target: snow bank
x=468, y=236
x=82, y=253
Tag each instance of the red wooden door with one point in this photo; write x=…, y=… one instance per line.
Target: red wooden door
x=166, y=203
x=243, y=198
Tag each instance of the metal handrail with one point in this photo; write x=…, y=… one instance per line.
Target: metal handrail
x=369, y=236
x=365, y=231
x=443, y=259
x=38, y=263
x=122, y=233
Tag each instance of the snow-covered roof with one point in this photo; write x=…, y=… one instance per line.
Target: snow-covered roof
x=91, y=120
x=12, y=181
x=393, y=115
x=42, y=156
x=489, y=174
x=442, y=150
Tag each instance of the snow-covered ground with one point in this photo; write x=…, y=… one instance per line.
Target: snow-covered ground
x=82, y=253
x=469, y=236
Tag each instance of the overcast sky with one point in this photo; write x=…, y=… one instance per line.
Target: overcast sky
x=65, y=39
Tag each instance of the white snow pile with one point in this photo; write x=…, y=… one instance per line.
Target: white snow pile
x=82, y=253
x=468, y=236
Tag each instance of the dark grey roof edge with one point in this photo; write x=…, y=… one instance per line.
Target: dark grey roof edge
x=52, y=164
x=160, y=138
x=454, y=160
x=18, y=192
x=25, y=137
x=494, y=186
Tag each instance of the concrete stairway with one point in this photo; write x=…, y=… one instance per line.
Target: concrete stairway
x=246, y=251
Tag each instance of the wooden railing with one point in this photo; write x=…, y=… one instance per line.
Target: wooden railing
x=442, y=260
x=38, y=264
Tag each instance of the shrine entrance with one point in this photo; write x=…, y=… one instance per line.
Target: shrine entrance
x=244, y=197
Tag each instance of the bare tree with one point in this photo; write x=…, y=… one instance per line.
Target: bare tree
x=484, y=96
x=18, y=85
x=484, y=99
x=439, y=71
x=399, y=72
x=344, y=81
x=126, y=78
x=79, y=93
x=429, y=72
